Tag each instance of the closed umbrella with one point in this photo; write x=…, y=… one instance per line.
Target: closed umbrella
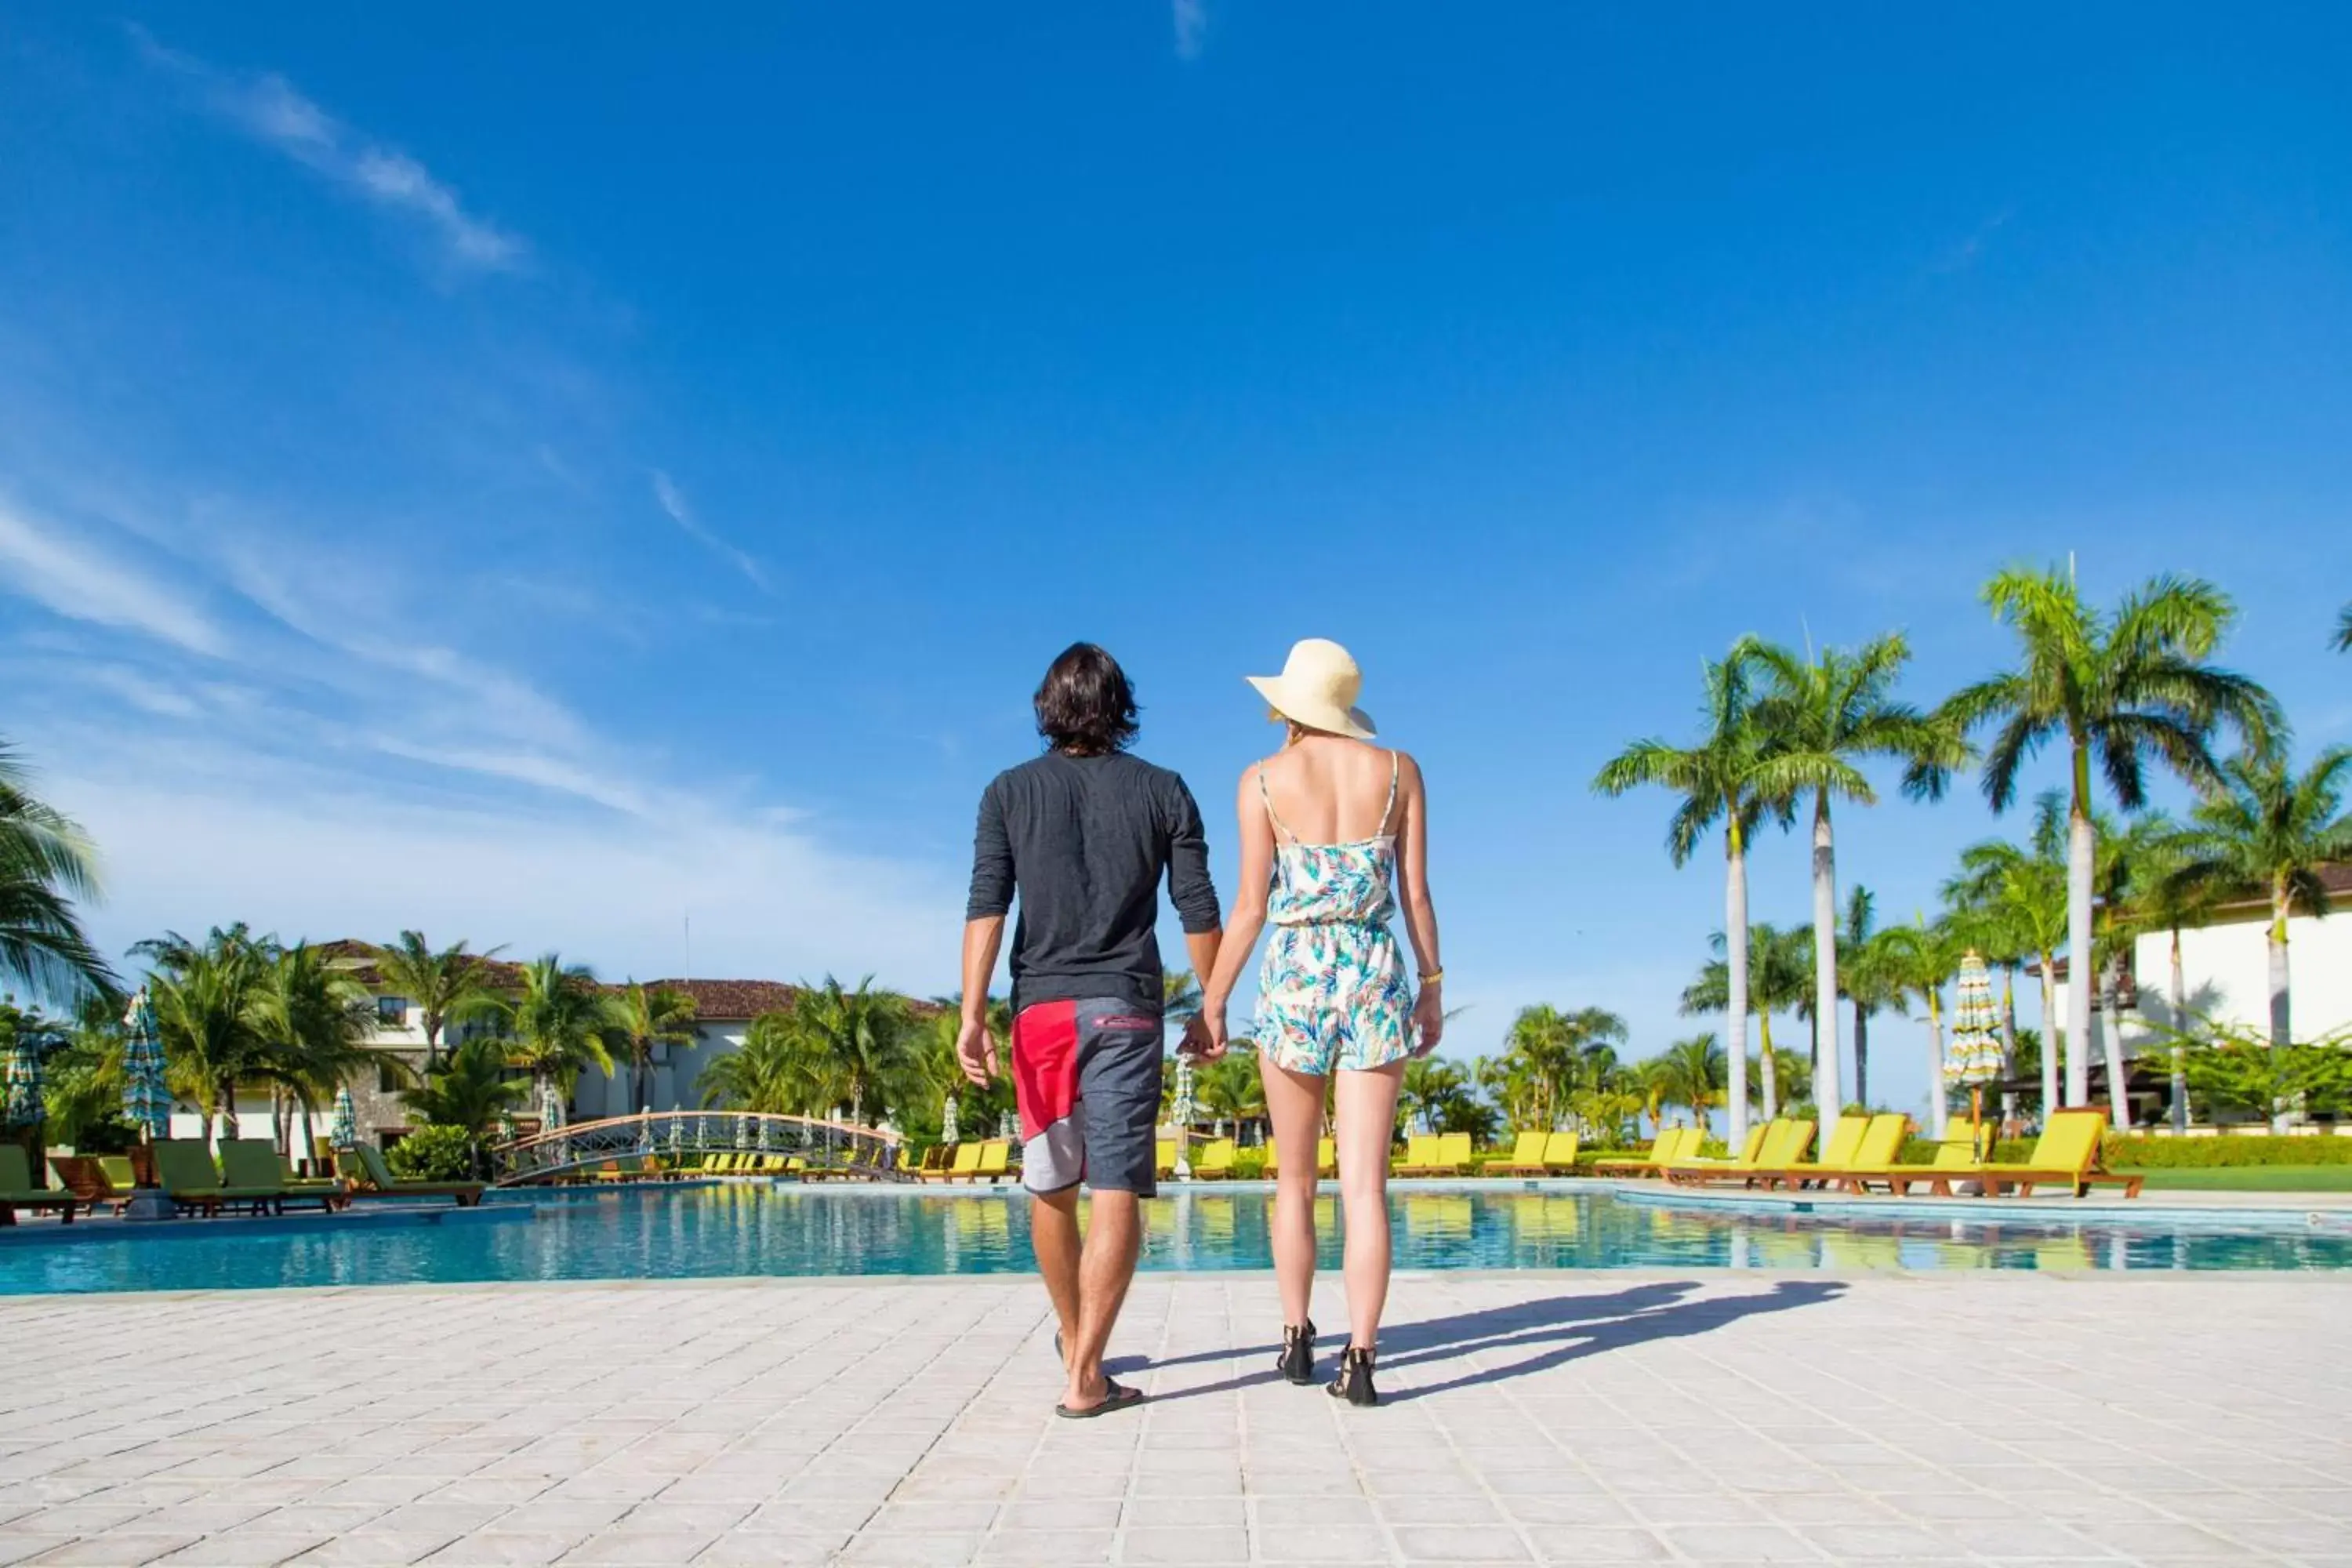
x=146, y=1103
x=551, y=1110
x=343, y=1127
x=20, y=1083
x=1974, y=1056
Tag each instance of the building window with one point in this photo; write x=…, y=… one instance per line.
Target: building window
x=387, y=1080
x=392, y=1010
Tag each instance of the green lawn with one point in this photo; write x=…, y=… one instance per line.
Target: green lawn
x=2254, y=1179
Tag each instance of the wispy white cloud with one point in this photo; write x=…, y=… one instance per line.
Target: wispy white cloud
x=1970, y=251
x=1191, y=20
x=71, y=578
x=673, y=502
x=270, y=109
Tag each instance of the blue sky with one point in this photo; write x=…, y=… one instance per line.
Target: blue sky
x=538, y=475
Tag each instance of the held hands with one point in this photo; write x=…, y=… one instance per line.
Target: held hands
x=1204, y=1037
x=1428, y=1019
x=976, y=1052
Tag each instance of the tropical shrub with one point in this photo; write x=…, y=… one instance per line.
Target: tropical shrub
x=433, y=1153
x=2130, y=1153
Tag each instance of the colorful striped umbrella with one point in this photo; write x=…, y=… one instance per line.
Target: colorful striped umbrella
x=20, y=1083
x=344, y=1127
x=146, y=1102
x=551, y=1109
x=1974, y=1056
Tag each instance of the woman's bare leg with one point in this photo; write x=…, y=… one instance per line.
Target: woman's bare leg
x=1367, y=1117
x=1294, y=1105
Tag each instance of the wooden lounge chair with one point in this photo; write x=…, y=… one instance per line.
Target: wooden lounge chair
x=295, y=1183
x=934, y=1158
x=250, y=1163
x=86, y=1177
x=184, y=1169
x=1845, y=1136
x=1782, y=1144
x=1527, y=1157
x=1880, y=1141
x=2066, y=1154
x=1216, y=1161
x=18, y=1191
x=367, y=1176
x=964, y=1161
x=1666, y=1146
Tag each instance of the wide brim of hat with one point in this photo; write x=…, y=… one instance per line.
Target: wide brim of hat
x=1353, y=722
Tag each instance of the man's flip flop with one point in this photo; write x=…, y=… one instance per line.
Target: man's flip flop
x=1118, y=1396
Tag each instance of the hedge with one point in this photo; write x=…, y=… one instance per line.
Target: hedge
x=2126, y=1153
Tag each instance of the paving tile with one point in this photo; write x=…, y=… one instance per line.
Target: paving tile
x=1163, y=1545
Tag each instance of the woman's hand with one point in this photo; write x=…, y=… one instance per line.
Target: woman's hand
x=1429, y=1018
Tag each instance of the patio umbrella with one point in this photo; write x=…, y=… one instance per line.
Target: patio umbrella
x=949, y=1114
x=20, y=1083
x=551, y=1109
x=342, y=1126
x=1973, y=1058
x=1183, y=1118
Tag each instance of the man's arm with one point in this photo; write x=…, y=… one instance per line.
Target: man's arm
x=1194, y=894
x=975, y=1046
x=983, y=935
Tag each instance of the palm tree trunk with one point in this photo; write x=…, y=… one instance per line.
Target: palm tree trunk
x=2049, y=1027
x=1771, y=1070
x=2112, y=1043
x=1735, y=953
x=1825, y=1032
x=2282, y=1034
x=2009, y=1040
x=1861, y=1054
x=2180, y=1051
x=2082, y=974
x=1939, y=1115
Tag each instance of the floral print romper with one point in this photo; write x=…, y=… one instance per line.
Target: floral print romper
x=1333, y=992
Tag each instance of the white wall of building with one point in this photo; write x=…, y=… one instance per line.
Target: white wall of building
x=2226, y=974
x=676, y=1076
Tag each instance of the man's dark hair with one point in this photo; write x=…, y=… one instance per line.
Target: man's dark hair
x=1084, y=706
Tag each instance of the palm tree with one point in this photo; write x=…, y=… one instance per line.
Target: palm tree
x=210, y=1003
x=1433, y=1090
x=2164, y=900
x=446, y=986
x=469, y=1089
x=650, y=1017
x=2263, y=830
x=1922, y=958
x=1792, y=1070
x=1720, y=778
x=2344, y=631
x=317, y=1020
x=1231, y=1089
x=864, y=1034
x=1823, y=717
x=2128, y=689
x=1870, y=978
x=560, y=1019
x=1558, y=1052
x=775, y=1072
x=1693, y=1072
x=46, y=863
x=1780, y=980
x=2012, y=901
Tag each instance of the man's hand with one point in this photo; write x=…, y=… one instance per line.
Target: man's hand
x=1198, y=1044
x=976, y=1052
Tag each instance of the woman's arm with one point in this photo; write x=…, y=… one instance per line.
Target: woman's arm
x=1420, y=910
x=1248, y=917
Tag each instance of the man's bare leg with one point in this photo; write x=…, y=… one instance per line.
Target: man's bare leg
x=1106, y=1268
x=1053, y=1237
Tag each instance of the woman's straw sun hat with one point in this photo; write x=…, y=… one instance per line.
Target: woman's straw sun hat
x=1318, y=688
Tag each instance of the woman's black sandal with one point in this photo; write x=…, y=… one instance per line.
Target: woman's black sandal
x=1354, y=1382
x=1296, y=1360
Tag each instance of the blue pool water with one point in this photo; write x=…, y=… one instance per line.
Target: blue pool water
x=731, y=1230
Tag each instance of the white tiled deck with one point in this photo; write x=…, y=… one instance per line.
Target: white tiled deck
x=1586, y=1420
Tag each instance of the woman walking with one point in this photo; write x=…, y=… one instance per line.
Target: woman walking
x=1334, y=831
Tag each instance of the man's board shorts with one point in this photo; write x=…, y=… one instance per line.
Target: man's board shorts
x=1086, y=1077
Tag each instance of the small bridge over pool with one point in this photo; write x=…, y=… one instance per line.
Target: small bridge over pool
x=681, y=1138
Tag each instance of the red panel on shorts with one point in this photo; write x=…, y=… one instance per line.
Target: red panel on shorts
x=1046, y=1065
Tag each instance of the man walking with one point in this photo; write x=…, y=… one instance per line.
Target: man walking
x=1083, y=835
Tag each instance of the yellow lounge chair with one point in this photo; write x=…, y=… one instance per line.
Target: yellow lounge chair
x=1779, y=1144
x=1527, y=1156
x=961, y=1168
x=1327, y=1156
x=1163, y=1157
x=1665, y=1148
x=18, y=1191
x=1879, y=1144
x=366, y=1175
x=1216, y=1161
x=2066, y=1154
x=1443, y=1155
x=253, y=1163
x=1420, y=1154
x=1837, y=1154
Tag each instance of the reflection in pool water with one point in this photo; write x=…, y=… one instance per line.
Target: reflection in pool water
x=728, y=1229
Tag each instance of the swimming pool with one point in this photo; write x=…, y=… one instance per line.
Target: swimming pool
x=728, y=1229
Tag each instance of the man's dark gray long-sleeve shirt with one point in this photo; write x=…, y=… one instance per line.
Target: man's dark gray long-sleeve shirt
x=1084, y=842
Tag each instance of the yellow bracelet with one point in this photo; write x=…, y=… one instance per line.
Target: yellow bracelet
x=1433, y=977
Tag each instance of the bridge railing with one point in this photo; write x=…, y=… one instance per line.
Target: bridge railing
x=678, y=1135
